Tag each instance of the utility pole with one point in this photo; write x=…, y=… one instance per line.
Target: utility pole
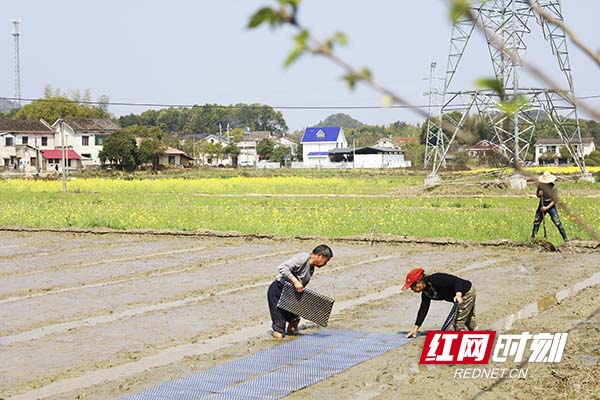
x=510, y=23
x=61, y=132
x=353, y=150
x=37, y=157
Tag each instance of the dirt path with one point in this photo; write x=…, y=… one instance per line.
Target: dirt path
x=102, y=315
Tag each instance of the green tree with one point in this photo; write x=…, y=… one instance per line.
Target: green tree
x=120, y=149
x=146, y=132
x=415, y=153
x=593, y=159
x=236, y=135
x=233, y=151
x=131, y=119
x=150, y=151
x=564, y=153
x=279, y=154
x=265, y=148
x=53, y=108
x=206, y=118
x=171, y=119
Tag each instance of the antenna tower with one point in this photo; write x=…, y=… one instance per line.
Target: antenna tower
x=508, y=21
x=16, y=34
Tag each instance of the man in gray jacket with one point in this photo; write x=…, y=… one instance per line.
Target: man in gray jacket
x=298, y=270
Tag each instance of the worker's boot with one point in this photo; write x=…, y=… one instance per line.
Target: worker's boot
x=562, y=232
x=292, y=328
x=536, y=228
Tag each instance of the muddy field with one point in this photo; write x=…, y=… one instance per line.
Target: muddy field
x=98, y=316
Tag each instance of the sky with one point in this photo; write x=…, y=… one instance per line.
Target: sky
x=182, y=52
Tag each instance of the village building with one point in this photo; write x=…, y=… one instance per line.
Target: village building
x=552, y=146
x=21, y=143
x=318, y=141
x=483, y=148
x=86, y=136
x=173, y=157
x=395, y=142
x=368, y=157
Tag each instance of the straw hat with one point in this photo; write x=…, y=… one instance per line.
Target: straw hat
x=547, y=177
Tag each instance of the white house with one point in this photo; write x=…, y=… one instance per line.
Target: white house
x=21, y=142
x=212, y=159
x=385, y=142
x=316, y=143
x=553, y=146
x=86, y=136
x=248, y=155
x=368, y=157
x=282, y=141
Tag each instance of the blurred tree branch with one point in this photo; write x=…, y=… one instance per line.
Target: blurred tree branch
x=304, y=43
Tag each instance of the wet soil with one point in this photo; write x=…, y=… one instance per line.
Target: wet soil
x=97, y=315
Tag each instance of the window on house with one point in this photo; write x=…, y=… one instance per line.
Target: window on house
x=25, y=139
x=8, y=142
x=99, y=140
x=86, y=155
x=44, y=141
x=85, y=140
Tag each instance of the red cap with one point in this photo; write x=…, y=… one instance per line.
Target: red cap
x=413, y=276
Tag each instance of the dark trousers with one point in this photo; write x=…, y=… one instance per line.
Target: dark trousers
x=278, y=316
x=539, y=216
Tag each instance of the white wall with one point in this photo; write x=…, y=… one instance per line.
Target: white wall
x=316, y=147
x=541, y=149
x=74, y=140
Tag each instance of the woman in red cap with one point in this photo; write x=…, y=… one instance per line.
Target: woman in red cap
x=440, y=286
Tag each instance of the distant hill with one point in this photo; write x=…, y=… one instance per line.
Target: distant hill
x=7, y=105
x=343, y=120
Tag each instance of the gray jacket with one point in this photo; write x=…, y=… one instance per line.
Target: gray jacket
x=299, y=266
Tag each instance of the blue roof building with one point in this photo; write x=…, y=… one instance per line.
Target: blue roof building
x=318, y=140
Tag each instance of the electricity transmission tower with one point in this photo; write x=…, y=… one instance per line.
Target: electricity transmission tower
x=16, y=34
x=507, y=22
x=434, y=140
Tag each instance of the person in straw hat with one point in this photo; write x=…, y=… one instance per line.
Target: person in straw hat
x=548, y=195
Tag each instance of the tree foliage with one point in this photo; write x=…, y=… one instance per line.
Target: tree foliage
x=279, y=154
x=593, y=159
x=150, y=151
x=265, y=148
x=207, y=118
x=53, y=108
x=120, y=148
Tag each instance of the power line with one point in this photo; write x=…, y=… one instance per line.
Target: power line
x=116, y=103
x=255, y=106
